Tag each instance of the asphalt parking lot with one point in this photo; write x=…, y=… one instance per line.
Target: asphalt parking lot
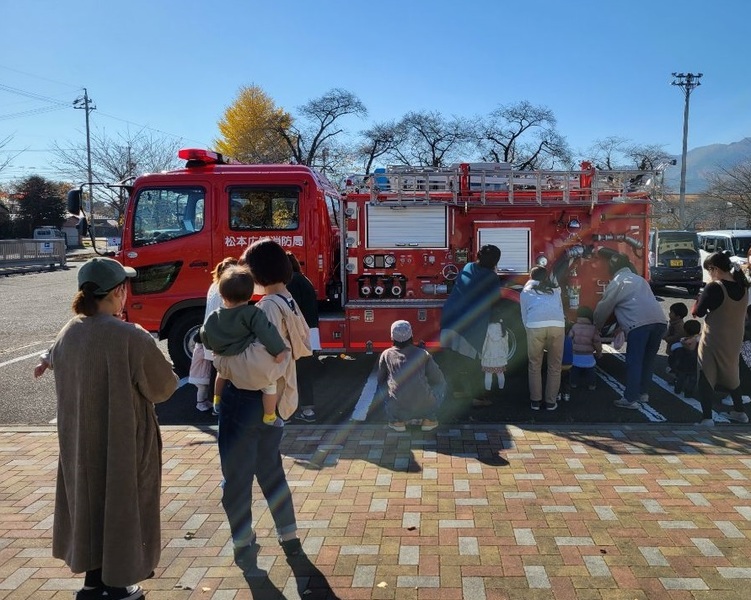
x=38, y=304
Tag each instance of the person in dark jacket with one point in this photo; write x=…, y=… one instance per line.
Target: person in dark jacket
x=722, y=303
x=464, y=323
x=304, y=294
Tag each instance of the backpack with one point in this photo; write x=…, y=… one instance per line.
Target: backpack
x=297, y=329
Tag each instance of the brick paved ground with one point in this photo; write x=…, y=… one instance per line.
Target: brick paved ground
x=477, y=512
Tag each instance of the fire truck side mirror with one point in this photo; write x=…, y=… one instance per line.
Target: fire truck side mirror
x=74, y=201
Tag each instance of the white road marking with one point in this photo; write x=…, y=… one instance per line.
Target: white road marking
x=360, y=412
x=19, y=359
x=691, y=402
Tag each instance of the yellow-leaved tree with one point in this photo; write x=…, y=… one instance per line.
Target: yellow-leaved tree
x=251, y=127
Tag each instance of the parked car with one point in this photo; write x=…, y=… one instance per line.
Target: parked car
x=737, y=241
x=674, y=259
x=48, y=233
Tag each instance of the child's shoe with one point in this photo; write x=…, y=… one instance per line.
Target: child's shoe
x=428, y=425
x=204, y=405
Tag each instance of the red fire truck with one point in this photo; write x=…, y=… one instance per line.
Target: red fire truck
x=388, y=247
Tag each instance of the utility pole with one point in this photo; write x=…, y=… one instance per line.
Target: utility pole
x=85, y=103
x=687, y=82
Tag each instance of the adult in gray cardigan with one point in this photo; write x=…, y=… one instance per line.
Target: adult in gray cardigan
x=642, y=320
x=108, y=375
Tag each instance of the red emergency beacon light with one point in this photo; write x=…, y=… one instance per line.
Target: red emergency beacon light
x=197, y=155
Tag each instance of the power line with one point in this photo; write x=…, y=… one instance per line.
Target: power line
x=31, y=112
x=32, y=95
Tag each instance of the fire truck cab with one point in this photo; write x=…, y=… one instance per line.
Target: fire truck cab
x=388, y=247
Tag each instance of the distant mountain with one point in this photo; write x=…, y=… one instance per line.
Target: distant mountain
x=706, y=159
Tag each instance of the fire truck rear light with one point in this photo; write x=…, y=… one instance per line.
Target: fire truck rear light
x=206, y=157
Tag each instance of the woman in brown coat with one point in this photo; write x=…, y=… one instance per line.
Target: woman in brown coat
x=722, y=303
x=108, y=375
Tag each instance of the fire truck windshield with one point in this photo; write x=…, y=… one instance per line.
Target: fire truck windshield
x=163, y=214
x=267, y=207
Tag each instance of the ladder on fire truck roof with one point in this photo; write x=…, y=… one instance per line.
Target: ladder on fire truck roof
x=497, y=183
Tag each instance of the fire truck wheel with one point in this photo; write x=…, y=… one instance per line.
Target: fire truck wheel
x=180, y=341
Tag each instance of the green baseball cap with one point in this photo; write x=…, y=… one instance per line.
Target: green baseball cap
x=106, y=273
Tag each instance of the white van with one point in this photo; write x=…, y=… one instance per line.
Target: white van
x=48, y=233
x=737, y=241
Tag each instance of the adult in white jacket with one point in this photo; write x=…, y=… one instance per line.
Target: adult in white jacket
x=543, y=318
x=642, y=320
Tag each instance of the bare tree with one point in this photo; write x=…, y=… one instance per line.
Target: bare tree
x=647, y=157
x=732, y=188
x=608, y=153
x=524, y=135
x=431, y=140
x=116, y=160
x=381, y=140
x=6, y=159
x=319, y=125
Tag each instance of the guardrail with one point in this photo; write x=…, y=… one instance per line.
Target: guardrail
x=32, y=254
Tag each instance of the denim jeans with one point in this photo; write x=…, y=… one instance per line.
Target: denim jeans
x=248, y=449
x=642, y=344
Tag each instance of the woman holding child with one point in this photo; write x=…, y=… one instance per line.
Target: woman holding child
x=249, y=449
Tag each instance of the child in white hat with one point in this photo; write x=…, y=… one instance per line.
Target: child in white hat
x=409, y=381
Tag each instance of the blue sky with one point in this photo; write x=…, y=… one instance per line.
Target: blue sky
x=604, y=68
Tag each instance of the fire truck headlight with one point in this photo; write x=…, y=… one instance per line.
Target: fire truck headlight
x=542, y=261
x=389, y=260
x=368, y=260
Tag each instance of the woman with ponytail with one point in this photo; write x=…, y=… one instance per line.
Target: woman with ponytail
x=108, y=376
x=722, y=303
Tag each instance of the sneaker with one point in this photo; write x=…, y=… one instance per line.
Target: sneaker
x=623, y=403
x=278, y=422
x=644, y=398
x=132, y=592
x=535, y=405
x=204, y=405
x=398, y=426
x=215, y=410
x=706, y=423
x=428, y=425
x=551, y=406
x=307, y=416
x=738, y=416
x=291, y=547
x=90, y=593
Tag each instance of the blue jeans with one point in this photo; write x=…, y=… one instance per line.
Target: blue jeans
x=248, y=449
x=641, y=353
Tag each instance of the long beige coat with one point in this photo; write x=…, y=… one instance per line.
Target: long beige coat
x=108, y=374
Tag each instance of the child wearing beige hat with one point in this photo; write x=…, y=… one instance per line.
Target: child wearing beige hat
x=409, y=381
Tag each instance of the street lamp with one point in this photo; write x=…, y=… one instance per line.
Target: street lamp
x=687, y=82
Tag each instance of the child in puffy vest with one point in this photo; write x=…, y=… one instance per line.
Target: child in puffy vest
x=587, y=347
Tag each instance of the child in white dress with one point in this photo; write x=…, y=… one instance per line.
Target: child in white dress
x=495, y=349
